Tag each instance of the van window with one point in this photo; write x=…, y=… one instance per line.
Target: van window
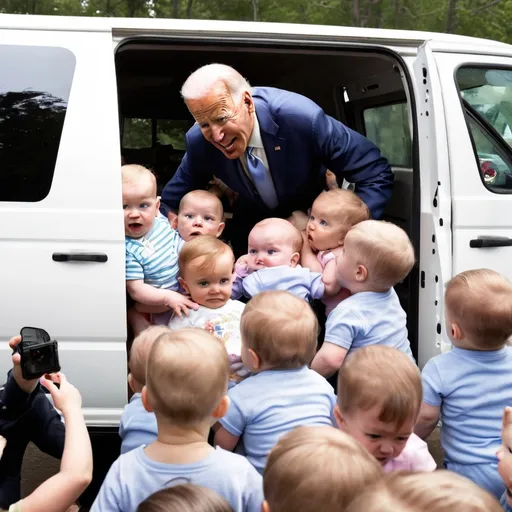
x=172, y=132
x=34, y=95
x=137, y=133
x=387, y=126
x=487, y=99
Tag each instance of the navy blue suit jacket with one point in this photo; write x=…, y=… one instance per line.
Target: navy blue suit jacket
x=300, y=142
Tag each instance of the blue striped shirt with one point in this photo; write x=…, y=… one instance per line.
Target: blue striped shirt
x=154, y=257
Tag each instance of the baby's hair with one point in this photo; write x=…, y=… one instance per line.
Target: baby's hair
x=204, y=249
x=281, y=328
x=132, y=173
x=185, y=498
x=379, y=375
x=384, y=249
x=480, y=301
x=317, y=469
x=418, y=491
x=140, y=350
x=187, y=375
x=345, y=205
x=205, y=196
x=290, y=232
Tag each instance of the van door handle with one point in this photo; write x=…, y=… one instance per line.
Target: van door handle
x=490, y=241
x=97, y=257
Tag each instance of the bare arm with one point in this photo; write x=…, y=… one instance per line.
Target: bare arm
x=427, y=420
x=225, y=440
x=308, y=258
x=75, y=473
x=329, y=359
x=332, y=287
x=150, y=296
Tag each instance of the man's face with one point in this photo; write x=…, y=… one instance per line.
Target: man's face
x=140, y=206
x=225, y=123
x=198, y=216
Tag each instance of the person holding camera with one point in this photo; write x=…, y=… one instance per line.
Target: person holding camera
x=27, y=415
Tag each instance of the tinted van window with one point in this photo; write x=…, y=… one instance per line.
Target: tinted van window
x=34, y=93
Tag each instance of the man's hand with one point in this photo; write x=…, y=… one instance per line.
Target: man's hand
x=66, y=397
x=179, y=303
x=299, y=219
x=25, y=385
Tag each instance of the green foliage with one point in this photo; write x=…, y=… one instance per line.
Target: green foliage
x=481, y=18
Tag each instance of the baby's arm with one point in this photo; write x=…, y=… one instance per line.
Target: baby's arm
x=427, y=420
x=329, y=359
x=225, y=440
x=149, y=295
x=308, y=258
x=75, y=474
x=332, y=287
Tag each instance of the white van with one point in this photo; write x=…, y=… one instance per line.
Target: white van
x=76, y=93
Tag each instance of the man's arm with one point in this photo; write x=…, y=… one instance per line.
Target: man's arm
x=351, y=156
x=427, y=420
x=329, y=359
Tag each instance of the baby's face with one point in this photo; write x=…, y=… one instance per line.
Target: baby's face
x=324, y=230
x=346, y=267
x=140, y=206
x=383, y=440
x=270, y=246
x=209, y=287
x=198, y=216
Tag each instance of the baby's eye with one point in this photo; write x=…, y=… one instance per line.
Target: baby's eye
x=209, y=218
x=224, y=280
x=203, y=284
x=125, y=206
x=271, y=252
x=403, y=439
x=373, y=436
x=323, y=223
x=252, y=251
x=189, y=216
x=144, y=205
x=311, y=217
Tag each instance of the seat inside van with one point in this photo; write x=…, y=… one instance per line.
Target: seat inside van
x=364, y=89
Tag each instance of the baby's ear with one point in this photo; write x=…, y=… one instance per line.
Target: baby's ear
x=183, y=284
x=145, y=401
x=295, y=259
x=507, y=417
x=174, y=223
x=338, y=417
x=361, y=273
x=157, y=213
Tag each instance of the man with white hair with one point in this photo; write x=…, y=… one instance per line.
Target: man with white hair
x=272, y=147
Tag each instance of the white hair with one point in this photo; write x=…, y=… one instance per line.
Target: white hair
x=202, y=81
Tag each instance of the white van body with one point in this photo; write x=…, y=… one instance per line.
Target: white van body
x=82, y=304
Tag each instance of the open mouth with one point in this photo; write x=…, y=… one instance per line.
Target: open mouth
x=229, y=147
x=195, y=233
x=135, y=225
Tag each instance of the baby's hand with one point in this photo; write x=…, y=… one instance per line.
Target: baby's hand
x=66, y=397
x=179, y=303
x=505, y=452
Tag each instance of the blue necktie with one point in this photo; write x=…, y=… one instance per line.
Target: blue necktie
x=261, y=179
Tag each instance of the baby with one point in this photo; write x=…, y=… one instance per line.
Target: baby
x=505, y=459
x=138, y=427
x=186, y=384
x=440, y=491
x=469, y=387
x=206, y=268
x=279, y=334
x=152, y=246
x=379, y=398
x=333, y=213
x=317, y=469
x=376, y=255
x=272, y=263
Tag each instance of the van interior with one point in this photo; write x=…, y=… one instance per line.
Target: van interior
x=364, y=89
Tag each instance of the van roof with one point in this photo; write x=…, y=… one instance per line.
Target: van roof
x=124, y=27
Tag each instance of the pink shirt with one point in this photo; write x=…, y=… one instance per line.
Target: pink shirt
x=414, y=457
x=331, y=302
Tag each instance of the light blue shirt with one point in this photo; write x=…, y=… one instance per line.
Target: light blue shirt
x=472, y=388
x=369, y=318
x=299, y=281
x=154, y=257
x=137, y=427
x=134, y=476
x=269, y=404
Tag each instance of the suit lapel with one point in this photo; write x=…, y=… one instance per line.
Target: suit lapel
x=275, y=147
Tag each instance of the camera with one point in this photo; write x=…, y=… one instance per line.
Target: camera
x=39, y=353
